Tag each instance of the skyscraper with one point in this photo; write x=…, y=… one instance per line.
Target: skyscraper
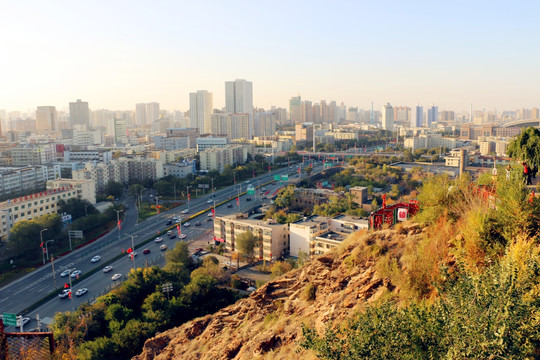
x=388, y=117
x=239, y=99
x=433, y=115
x=140, y=114
x=46, y=118
x=200, y=111
x=418, y=119
x=295, y=110
x=152, y=112
x=79, y=114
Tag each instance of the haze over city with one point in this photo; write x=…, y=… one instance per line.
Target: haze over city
x=116, y=54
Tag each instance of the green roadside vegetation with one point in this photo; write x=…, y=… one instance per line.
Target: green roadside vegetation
x=118, y=324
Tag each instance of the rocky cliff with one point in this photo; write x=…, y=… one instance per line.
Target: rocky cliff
x=268, y=324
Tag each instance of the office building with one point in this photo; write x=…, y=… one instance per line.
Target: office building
x=274, y=238
x=200, y=111
x=204, y=143
x=79, y=114
x=46, y=119
x=388, y=117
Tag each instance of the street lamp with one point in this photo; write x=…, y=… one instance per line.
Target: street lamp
x=188, y=197
x=41, y=243
x=133, y=249
x=118, y=221
x=47, y=249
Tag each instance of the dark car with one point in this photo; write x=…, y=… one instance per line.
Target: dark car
x=230, y=206
x=169, y=222
x=172, y=236
x=197, y=223
x=248, y=199
x=146, y=251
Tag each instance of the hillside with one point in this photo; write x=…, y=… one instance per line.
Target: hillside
x=268, y=324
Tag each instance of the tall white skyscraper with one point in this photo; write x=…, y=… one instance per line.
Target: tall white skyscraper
x=417, y=120
x=388, y=117
x=239, y=99
x=200, y=111
x=79, y=114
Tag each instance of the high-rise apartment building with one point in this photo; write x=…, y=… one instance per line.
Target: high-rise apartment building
x=265, y=123
x=120, y=131
x=402, y=115
x=140, y=114
x=233, y=126
x=152, y=112
x=307, y=111
x=418, y=119
x=239, y=99
x=388, y=117
x=317, y=113
x=432, y=115
x=200, y=111
x=46, y=118
x=324, y=112
x=79, y=114
x=295, y=110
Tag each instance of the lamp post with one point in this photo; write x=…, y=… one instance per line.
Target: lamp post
x=118, y=221
x=133, y=249
x=41, y=243
x=188, y=195
x=71, y=289
x=47, y=248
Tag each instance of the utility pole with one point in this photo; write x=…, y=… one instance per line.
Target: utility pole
x=41, y=243
x=133, y=249
x=71, y=289
x=157, y=207
x=188, y=196
x=47, y=249
x=53, y=274
x=118, y=221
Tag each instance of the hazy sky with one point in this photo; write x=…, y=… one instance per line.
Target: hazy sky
x=114, y=54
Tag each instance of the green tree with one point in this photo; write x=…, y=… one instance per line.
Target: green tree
x=246, y=243
x=285, y=197
x=78, y=208
x=279, y=268
x=114, y=188
x=308, y=170
x=526, y=146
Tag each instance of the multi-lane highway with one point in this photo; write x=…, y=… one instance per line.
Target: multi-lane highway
x=19, y=295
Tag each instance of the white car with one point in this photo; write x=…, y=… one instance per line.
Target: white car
x=96, y=259
x=64, y=293
x=186, y=224
x=107, y=268
x=24, y=320
x=163, y=247
x=185, y=211
x=176, y=220
x=209, y=201
x=81, y=292
x=76, y=273
x=134, y=253
x=183, y=236
x=159, y=239
x=116, y=277
x=209, y=214
x=64, y=273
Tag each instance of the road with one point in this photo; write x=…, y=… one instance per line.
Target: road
x=20, y=294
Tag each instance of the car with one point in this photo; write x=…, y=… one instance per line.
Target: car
x=76, y=273
x=185, y=211
x=134, y=253
x=81, y=292
x=229, y=205
x=163, y=247
x=209, y=219
x=274, y=183
x=160, y=239
x=116, y=277
x=24, y=321
x=209, y=214
x=169, y=222
x=146, y=251
x=209, y=201
x=248, y=199
x=186, y=224
x=64, y=273
x=197, y=223
x=107, y=268
x=96, y=259
x=64, y=293
x=263, y=189
x=183, y=236
x=172, y=236
x=247, y=181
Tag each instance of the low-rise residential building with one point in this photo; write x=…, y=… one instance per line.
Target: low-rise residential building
x=180, y=170
x=204, y=143
x=86, y=189
x=102, y=173
x=359, y=194
x=15, y=181
x=274, y=237
x=216, y=158
x=140, y=169
x=430, y=141
x=88, y=155
x=303, y=234
x=171, y=143
x=31, y=206
x=33, y=154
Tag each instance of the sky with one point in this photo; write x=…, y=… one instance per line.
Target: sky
x=117, y=53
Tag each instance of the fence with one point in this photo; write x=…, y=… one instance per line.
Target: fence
x=25, y=345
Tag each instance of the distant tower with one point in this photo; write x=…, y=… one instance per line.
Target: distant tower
x=371, y=117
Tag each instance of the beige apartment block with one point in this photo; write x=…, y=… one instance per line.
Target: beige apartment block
x=86, y=189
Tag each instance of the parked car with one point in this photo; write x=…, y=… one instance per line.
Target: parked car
x=64, y=293
x=146, y=251
x=107, y=268
x=116, y=277
x=163, y=247
x=76, y=273
x=96, y=259
x=81, y=292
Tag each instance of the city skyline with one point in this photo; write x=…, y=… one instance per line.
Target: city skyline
x=116, y=55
